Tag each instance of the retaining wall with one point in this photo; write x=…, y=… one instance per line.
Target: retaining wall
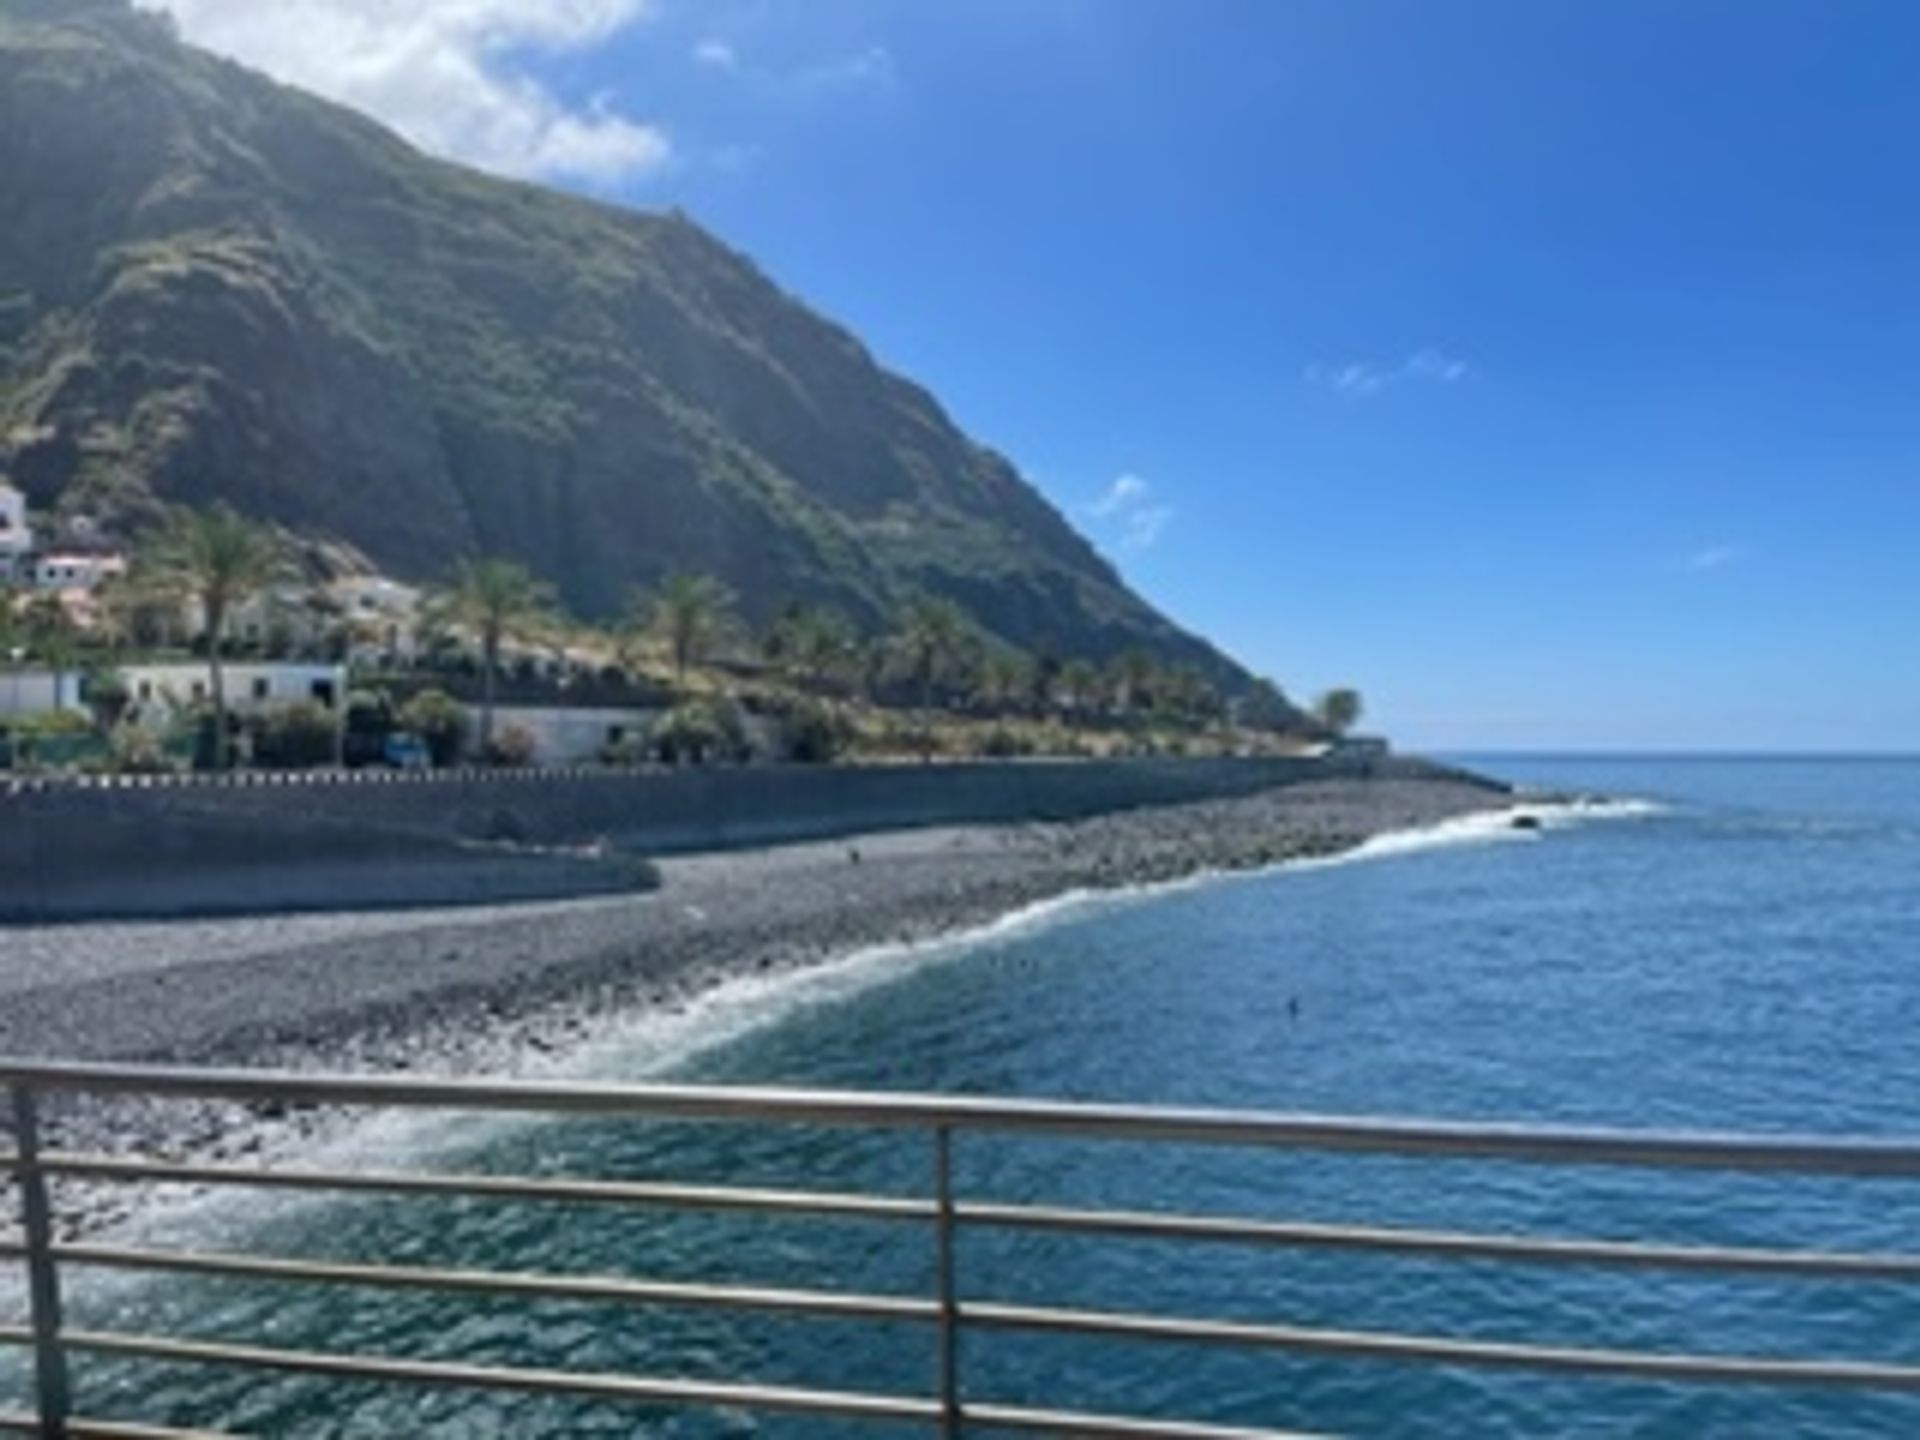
x=192, y=848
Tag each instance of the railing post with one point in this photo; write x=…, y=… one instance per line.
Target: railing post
x=944, y=1282
x=51, y=1390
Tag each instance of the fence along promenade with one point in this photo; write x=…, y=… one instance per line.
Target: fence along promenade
x=953, y=1309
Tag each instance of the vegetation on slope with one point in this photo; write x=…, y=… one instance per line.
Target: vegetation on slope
x=215, y=288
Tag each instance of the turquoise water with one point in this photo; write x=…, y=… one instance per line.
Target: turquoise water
x=1738, y=956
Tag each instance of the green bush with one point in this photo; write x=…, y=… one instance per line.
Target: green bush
x=301, y=736
x=1000, y=743
x=628, y=750
x=49, y=723
x=141, y=752
x=108, y=696
x=815, y=733
x=440, y=720
x=513, y=747
x=700, y=732
x=369, y=721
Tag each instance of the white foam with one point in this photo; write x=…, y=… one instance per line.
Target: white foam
x=1522, y=823
x=646, y=1043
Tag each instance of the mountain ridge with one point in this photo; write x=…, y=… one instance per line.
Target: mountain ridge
x=218, y=287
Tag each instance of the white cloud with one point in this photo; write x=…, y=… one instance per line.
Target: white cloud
x=1125, y=491
x=1126, y=510
x=1143, y=526
x=872, y=67
x=443, y=73
x=1431, y=364
x=717, y=53
x=1364, y=379
x=1710, y=557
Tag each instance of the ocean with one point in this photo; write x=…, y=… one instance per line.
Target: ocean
x=1732, y=945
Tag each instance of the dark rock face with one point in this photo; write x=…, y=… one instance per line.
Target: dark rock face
x=215, y=287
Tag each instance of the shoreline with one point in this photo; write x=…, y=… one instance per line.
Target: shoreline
x=536, y=987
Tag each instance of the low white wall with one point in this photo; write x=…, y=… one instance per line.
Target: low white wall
x=34, y=692
x=567, y=736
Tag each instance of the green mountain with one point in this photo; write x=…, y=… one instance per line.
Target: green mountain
x=214, y=287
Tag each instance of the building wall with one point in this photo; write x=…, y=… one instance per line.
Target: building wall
x=16, y=536
x=250, y=685
x=35, y=692
x=75, y=572
x=569, y=736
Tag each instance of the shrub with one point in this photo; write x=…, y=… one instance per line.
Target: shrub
x=814, y=733
x=628, y=750
x=51, y=722
x=141, y=752
x=300, y=736
x=700, y=732
x=440, y=720
x=513, y=747
x=1001, y=743
x=369, y=721
x=107, y=695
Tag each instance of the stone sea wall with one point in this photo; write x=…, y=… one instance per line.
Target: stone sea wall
x=273, y=843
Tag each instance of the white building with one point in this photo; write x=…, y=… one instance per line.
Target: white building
x=167, y=686
x=36, y=691
x=570, y=735
x=63, y=571
x=382, y=618
x=16, y=534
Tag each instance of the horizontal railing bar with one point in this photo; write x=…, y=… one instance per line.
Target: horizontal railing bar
x=15, y=1335
x=1147, y=1225
x=787, y=1399
x=1000, y=1417
x=80, y=1428
x=1383, y=1345
x=1804, y=1154
x=845, y=1305
x=13, y=1422
x=1066, y=1422
x=1808, y=1264
x=495, y=1187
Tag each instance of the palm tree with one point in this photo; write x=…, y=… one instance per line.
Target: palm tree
x=691, y=613
x=1132, y=675
x=53, y=639
x=1005, y=679
x=493, y=600
x=1265, y=707
x=1338, y=709
x=931, y=639
x=813, y=646
x=1198, y=695
x=1079, y=684
x=218, y=559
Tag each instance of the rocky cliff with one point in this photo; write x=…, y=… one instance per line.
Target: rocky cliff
x=216, y=287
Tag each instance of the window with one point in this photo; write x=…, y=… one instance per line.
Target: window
x=262, y=687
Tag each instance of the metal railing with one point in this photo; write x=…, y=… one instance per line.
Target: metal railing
x=951, y=1409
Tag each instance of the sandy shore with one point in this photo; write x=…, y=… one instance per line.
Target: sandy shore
x=500, y=988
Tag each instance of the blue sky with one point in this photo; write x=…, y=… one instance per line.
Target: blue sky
x=1549, y=371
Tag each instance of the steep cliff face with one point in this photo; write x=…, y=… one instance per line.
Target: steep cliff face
x=215, y=287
